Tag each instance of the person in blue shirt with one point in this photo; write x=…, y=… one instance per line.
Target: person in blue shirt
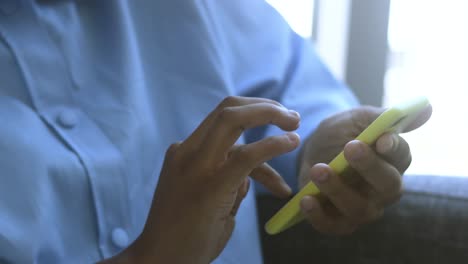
x=93, y=93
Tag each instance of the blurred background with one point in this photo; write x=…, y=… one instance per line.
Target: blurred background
x=391, y=50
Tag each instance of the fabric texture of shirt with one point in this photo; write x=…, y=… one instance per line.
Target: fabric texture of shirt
x=93, y=92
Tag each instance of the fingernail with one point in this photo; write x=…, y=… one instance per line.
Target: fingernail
x=357, y=151
x=294, y=113
x=307, y=204
x=293, y=136
x=287, y=188
x=387, y=145
x=320, y=177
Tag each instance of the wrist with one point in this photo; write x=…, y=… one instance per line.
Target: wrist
x=147, y=250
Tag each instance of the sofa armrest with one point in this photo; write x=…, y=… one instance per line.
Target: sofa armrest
x=429, y=225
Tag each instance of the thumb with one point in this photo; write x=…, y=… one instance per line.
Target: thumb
x=420, y=119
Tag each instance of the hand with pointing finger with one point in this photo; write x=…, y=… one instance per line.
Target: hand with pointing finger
x=204, y=179
x=362, y=192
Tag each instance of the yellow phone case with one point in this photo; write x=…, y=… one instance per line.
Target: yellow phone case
x=394, y=119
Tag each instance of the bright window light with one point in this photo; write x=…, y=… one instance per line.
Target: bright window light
x=428, y=42
x=298, y=13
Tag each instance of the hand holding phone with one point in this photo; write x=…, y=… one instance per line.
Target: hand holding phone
x=394, y=120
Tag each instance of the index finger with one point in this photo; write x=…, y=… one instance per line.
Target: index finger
x=196, y=138
x=232, y=121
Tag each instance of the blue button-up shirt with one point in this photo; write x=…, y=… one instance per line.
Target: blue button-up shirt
x=93, y=92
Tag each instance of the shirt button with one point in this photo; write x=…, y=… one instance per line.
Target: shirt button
x=119, y=237
x=67, y=118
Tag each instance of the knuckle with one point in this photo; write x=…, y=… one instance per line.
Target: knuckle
x=272, y=112
x=230, y=116
x=363, y=213
x=373, y=213
x=233, y=150
x=174, y=156
x=399, y=194
x=328, y=122
x=334, y=122
x=329, y=189
x=403, y=144
x=273, y=102
x=368, y=213
x=204, y=167
x=273, y=108
x=408, y=162
x=356, y=118
x=229, y=101
x=276, y=141
x=332, y=187
x=243, y=155
x=227, y=113
x=396, y=195
x=361, y=117
x=395, y=187
x=173, y=150
x=369, y=160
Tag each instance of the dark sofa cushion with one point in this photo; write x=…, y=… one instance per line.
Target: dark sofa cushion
x=429, y=225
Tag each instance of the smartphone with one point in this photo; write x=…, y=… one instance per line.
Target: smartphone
x=394, y=119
